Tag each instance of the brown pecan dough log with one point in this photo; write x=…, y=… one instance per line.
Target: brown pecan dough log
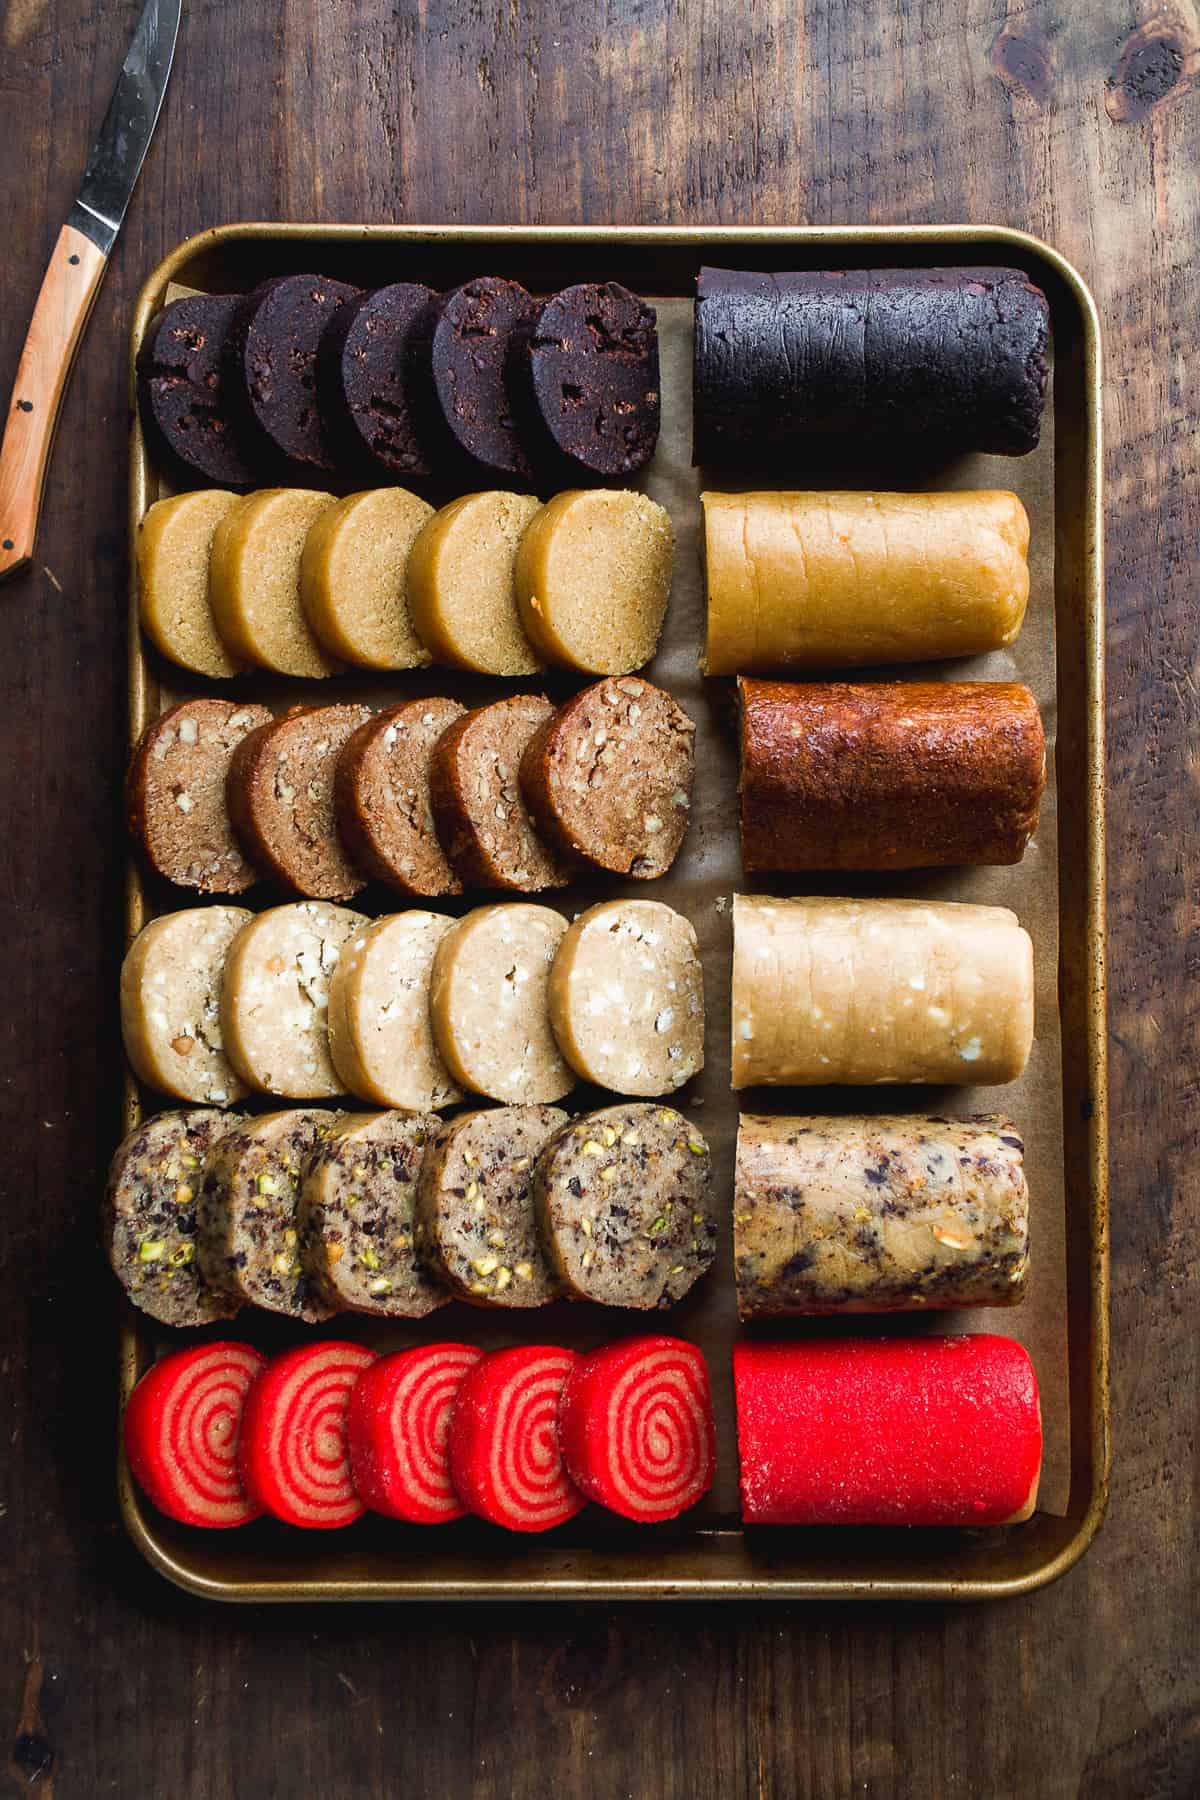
x=481, y=816
x=281, y=799
x=878, y=1214
x=382, y=799
x=175, y=794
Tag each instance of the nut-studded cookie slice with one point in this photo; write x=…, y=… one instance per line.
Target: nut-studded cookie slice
x=275, y=998
x=382, y=799
x=281, y=799
x=475, y=789
x=150, y=1207
x=175, y=795
x=172, y=981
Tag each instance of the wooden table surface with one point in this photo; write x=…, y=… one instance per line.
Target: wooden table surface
x=1073, y=120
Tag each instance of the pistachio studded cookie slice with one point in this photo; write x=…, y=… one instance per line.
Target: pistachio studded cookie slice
x=625, y=1207
x=150, y=1216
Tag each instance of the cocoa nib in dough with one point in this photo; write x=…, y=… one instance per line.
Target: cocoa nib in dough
x=593, y=368
x=188, y=415
x=272, y=364
x=475, y=1206
x=175, y=794
x=382, y=798
x=624, y=1204
x=280, y=792
x=150, y=1217
x=356, y=1217
x=477, y=805
x=609, y=777
x=472, y=358
x=365, y=378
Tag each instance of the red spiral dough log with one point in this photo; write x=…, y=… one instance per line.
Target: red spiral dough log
x=398, y=1427
x=636, y=1427
x=182, y=1427
x=293, y=1455
x=887, y=1431
x=505, y=1460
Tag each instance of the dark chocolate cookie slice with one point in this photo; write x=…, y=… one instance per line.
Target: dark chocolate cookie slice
x=272, y=364
x=593, y=367
x=183, y=394
x=473, y=373
x=365, y=378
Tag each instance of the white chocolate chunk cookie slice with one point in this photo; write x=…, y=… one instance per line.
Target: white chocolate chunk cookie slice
x=488, y=1003
x=627, y=997
x=380, y=1036
x=274, y=1006
x=171, y=985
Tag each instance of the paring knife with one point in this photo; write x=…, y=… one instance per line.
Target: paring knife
x=73, y=276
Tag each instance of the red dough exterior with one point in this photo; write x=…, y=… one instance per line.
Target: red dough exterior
x=399, y=1428
x=505, y=1461
x=293, y=1455
x=182, y=1426
x=636, y=1427
x=887, y=1431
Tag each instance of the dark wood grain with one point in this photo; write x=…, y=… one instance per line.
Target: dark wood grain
x=1079, y=121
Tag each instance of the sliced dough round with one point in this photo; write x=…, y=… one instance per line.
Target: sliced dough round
x=248, y=1234
x=173, y=544
x=281, y=799
x=254, y=581
x=593, y=576
x=356, y=1217
x=625, y=1206
x=175, y=795
x=461, y=586
x=352, y=578
x=627, y=997
x=382, y=798
x=476, y=796
x=475, y=1214
x=171, y=985
x=275, y=1000
x=380, y=1037
x=488, y=1003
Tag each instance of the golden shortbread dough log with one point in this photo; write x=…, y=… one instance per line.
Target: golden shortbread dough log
x=461, y=584
x=254, y=581
x=174, y=541
x=354, y=582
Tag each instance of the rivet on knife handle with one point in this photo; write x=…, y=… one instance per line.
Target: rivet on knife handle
x=68, y=290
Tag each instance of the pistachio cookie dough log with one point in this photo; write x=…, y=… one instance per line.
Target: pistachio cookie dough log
x=353, y=578
x=172, y=982
x=835, y=580
x=593, y=577
x=248, y=1235
x=609, y=778
x=150, y=1217
x=356, y=1217
x=876, y=1214
x=172, y=549
x=627, y=997
x=382, y=797
x=888, y=775
x=175, y=795
x=254, y=581
x=275, y=999
x=475, y=1214
x=364, y=379
x=489, y=1005
x=462, y=584
x=188, y=414
x=272, y=367
x=867, y=992
x=280, y=791
x=477, y=803
x=625, y=1207
x=380, y=1036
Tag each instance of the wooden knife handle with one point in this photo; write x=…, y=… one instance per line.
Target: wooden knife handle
x=68, y=290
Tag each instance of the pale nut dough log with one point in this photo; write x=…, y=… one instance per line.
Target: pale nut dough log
x=834, y=580
x=171, y=985
x=380, y=1036
x=489, y=1004
x=254, y=581
x=878, y=991
x=172, y=549
x=353, y=578
x=461, y=584
x=274, y=1005
x=878, y=1214
x=627, y=997
x=593, y=578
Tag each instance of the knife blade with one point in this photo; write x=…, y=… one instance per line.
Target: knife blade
x=73, y=276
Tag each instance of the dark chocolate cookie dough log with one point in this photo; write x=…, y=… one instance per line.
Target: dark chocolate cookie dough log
x=867, y=361
x=365, y=370
x=187, y=413
x=592, y=360
x=272, y=367
x=470, y=390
